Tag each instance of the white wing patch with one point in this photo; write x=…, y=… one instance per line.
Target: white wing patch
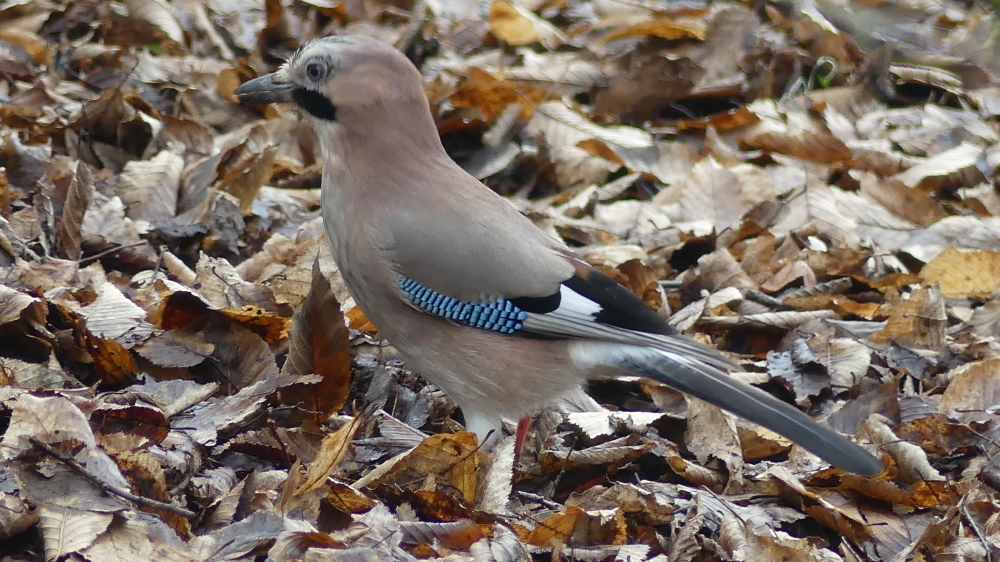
x=573, y=302
x=576, y=317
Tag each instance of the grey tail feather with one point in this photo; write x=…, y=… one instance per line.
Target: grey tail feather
x=710, y=384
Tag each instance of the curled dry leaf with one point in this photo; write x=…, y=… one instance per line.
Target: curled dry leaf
x=911, y=459
x=157, y=12
x=579, y=527
x=517, y=26
x=331, y=452
x=459, y=534
x=79, y=194
x=491, y=96
x=664, y=28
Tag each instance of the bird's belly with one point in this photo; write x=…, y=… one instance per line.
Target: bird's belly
x=486, y=373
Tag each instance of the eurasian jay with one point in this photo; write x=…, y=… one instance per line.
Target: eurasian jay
x=475, y=297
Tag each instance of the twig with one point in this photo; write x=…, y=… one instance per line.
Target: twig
x=107, y=487
x=753, y=295
x=540, y=499
x=418, y=15
x=119, y=248
x=976, y=530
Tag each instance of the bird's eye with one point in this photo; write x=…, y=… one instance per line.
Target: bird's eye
x=315, y=71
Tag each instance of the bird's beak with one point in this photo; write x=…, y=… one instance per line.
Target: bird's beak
x=270, y=88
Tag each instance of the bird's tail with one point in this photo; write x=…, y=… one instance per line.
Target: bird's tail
x=712, y=385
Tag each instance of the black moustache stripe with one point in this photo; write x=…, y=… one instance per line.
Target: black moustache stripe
x=315, y=103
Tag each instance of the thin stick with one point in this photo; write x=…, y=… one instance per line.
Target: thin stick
x=106, y=487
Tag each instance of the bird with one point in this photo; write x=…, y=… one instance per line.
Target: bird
x=494, y=311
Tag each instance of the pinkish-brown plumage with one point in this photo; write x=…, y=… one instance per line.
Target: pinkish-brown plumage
x=398, y=209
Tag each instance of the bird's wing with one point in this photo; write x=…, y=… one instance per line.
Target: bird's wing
x=502, y=273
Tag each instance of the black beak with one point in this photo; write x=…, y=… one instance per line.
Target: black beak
x=265, y=89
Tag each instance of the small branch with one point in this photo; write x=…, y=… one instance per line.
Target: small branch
x=105, y=486
x=109, y=251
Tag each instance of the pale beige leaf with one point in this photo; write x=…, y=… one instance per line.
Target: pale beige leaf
x=218, y=282
x=561, y=126
x=66, y=530
x=605, y=423
x=15, y=305
x=51, y=419
x=138, y=536
x=498, y=481
x=960, y=232
x=114, y=316
x=149, y=188
x=670, y=162
x=959, y=161
x=717, y=194
x=158, y=13
x=569, y=73
x=711, y=433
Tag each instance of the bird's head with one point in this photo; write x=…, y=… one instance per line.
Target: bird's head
x=341, y=78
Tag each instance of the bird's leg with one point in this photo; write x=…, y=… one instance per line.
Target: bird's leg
x=519, y=436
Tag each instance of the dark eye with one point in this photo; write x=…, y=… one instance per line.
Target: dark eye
x=315, y=71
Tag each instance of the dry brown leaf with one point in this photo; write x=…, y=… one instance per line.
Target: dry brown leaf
x=79, y=195
x=577, y=526
x=331, y=452
x=517, y=26
x=973, y=391
x=917, y=321
x=491, y=96
x=318, y=343
x=912, y=204
x=113, y=363
x=454, y=458
x=830, y=509
x=964, y=274
x=843, y=305
x=664, y=28
x=459, y=534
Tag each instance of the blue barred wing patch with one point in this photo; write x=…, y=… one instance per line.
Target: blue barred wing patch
x=500, y=316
